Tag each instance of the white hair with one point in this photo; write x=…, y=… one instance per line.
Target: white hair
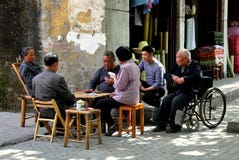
x=185, y=53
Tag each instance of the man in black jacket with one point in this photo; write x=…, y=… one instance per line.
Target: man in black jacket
x=182, y=78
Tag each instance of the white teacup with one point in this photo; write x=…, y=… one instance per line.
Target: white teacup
x=80, y=105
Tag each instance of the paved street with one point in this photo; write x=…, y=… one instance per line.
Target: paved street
x=16, y=143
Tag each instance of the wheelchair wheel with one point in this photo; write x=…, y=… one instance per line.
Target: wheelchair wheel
x=192, y=124
x=212, y=107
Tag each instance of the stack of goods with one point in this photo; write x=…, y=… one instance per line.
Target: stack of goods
x=215, y=38
x=211, y=55
x=234, y=50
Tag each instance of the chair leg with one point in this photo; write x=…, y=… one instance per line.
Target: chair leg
x=120, y=122
x=23, y=112
x=142, y=121
x=128, y=118
x=53, y=128
x=36, y=130
x=133, y=123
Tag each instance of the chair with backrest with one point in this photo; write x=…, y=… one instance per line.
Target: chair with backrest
x=49, y=123
x=26, y=100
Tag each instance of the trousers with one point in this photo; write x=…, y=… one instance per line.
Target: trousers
x=171, y=103
x=106, y=105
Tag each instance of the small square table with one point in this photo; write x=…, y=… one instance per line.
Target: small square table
x=88, y=112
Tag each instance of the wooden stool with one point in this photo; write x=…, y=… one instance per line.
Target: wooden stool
x=131, y=118
x=87, y=114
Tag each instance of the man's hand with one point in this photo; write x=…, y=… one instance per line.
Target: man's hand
x=177, y=79
x=142, y=88
x=109, y=81
x=111, y=94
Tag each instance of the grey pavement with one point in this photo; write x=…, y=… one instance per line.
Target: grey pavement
x=17, y=143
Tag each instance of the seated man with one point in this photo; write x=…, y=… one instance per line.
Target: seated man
x=101, y=79
x=28, y=69
x=154, y=87
x=49, y=85
x=126, y=86
x=182, y=77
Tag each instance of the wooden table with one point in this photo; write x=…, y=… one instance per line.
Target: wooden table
x=93, y=95
x=89, y=98
x=87, y=113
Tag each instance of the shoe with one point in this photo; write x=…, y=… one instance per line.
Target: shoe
x=159, y=128
x=111, y=130
x=173, y=129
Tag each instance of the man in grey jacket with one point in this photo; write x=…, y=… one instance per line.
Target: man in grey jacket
x=49, y=85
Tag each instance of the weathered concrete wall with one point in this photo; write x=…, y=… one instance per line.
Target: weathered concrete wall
x=74, y=29
x=117, y=23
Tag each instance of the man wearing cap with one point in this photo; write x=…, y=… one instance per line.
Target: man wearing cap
x=49, y=85
x=154, y=86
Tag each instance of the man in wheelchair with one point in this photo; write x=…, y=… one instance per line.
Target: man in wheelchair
x=180, y=84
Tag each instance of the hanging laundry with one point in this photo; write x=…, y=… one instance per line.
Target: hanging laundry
x=135, y=3
x=190, y=39
x=148, y=6
x=137, y=18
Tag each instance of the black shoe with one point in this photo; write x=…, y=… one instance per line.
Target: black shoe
x=159, y=128
x=173, y=129
x=111, y=130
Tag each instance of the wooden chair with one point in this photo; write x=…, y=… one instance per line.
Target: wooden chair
x=26, y=100
x=46, y=121
x=131, y=119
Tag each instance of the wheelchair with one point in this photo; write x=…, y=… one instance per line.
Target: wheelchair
x=208, y=105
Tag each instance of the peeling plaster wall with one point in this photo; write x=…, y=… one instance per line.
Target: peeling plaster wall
x=74, y=30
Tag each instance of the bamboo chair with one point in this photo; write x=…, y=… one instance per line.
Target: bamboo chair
x=49, y=123
x=26, y=100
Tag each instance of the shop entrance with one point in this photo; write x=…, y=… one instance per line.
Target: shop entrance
x=154, y=24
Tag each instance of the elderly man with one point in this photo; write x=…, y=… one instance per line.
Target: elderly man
x=182, y=77
x=49, y=85
x=101, y=79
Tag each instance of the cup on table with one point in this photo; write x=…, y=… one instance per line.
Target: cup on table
x=80, y=105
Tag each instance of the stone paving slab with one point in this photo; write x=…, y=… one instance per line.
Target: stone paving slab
x=10, y=130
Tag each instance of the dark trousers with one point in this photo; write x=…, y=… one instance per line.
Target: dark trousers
x=106, y=105
x=153, y=98
x=171, y=103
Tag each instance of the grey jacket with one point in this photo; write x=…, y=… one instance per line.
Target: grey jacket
x=49, y=85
